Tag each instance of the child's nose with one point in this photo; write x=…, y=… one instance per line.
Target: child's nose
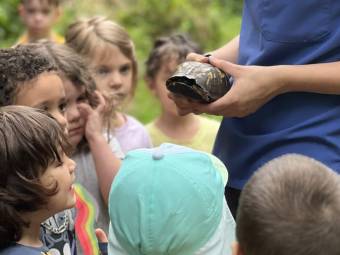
x=60, y=118
x=72, y=113
x=116, y=81
x=72, y=166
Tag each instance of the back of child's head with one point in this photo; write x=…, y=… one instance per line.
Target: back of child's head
x=170, y=200
x=92, y=36
x=71, y=66
x=290, y=206
x=18, y=66
x=176, y=46
x=31, y=140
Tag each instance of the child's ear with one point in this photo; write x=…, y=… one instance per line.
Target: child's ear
x=151, y=84
x=236, y=249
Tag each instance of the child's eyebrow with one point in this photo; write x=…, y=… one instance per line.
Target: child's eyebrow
x=41, y=105
x=63, y=100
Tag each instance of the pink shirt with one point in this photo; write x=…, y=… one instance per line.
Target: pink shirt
x=132, y=135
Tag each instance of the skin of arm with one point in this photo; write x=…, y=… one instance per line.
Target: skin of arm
x=106, y=163
x=229, y=51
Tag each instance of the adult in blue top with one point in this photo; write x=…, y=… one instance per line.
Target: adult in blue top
x=285, y=97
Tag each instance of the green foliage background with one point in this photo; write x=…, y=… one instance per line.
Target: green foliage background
x=209, y=22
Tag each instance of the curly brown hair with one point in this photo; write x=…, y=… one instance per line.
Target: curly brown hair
x=18, y=66
x=31, y=140
x=71, y=65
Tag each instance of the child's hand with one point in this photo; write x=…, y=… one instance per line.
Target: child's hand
x=93, y=117
x=102, y=241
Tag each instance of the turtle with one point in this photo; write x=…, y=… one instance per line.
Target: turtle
x=199, y=81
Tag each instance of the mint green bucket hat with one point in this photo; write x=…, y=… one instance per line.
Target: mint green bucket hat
x=170, y=200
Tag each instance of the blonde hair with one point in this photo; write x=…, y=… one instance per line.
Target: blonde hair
x=291, y=205
x=86, y=36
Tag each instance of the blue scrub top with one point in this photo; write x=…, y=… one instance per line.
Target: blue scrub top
x=276, y=32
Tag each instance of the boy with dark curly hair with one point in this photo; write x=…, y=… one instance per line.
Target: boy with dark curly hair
x=30, y=78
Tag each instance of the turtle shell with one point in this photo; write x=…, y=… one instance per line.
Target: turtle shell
x=199, y=81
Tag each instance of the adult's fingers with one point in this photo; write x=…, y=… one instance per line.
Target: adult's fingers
x=225, y=106
x=197, y=57
x=225, y=66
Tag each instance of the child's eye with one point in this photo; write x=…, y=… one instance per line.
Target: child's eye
x=103, y=71
x=31, y=11
x=125, y=69
x=46, y=11
x=62, y=107
x=81, y=99
x=60, y=163
x=45, y=108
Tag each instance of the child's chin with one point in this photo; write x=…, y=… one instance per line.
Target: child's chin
x=71, y=201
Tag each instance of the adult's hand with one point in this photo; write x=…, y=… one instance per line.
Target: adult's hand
x=253, y=87
x=197, y=57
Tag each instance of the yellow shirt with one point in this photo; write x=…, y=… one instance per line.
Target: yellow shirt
x=54, y=38
x=203, y=140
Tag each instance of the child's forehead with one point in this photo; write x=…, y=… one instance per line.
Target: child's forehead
x=45, y=83
x=107, y=53
x=169, y=62
x=41, y=4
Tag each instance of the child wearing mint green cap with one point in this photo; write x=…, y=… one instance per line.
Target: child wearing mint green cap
x=170, y=200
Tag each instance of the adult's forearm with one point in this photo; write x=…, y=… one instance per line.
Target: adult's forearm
x=229, y=51
x=317, y=78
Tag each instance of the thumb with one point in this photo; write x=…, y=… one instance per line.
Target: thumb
x=101, y=101
x=101, y=236
x=225, y=66
x=197, y=57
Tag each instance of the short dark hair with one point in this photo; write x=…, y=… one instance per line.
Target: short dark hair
x=54, y=3
x=290, y=206
x=177, y=45
x=31, y=140
x=20, y=65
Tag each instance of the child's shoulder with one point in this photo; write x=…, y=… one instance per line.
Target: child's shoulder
x=130, y=120
x=208, y=123
x=133, y=135
x=151, y=126
x=131, y=124
x=58, y=231
x=18, y=249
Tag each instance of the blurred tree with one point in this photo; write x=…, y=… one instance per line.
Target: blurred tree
x=204, y=20
x=10, y=26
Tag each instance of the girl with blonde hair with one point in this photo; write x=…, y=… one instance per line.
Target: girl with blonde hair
x=109, y=52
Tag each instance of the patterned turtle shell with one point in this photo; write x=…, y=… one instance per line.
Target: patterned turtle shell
x=199, y=81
